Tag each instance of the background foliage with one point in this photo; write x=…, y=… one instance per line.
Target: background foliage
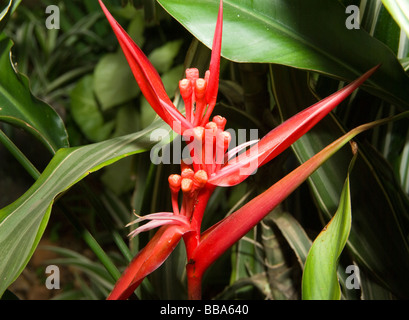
x=69, y=107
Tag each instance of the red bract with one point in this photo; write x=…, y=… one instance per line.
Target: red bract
x=281, y=137
x=211, y=166
x=147, y=77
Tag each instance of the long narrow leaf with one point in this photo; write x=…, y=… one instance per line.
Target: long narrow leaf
x=320, y=279
x=22, y=222
x=399, y=9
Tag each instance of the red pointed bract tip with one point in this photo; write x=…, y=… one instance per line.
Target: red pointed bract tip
x=214, y=68
x=147, y=77
x=205, y=90
x=281, y=137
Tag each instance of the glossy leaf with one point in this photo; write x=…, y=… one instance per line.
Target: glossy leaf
x=22, y=222
x=304, y=34
x=320, y=280
x=20, y=108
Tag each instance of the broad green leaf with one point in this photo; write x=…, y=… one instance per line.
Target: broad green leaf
x=85, y=111
x=117, y=176
x=162, y=57
x=309, y=35
x=399, y=9
x=113, y=81
x=19, y=107
x=136, y=29
x=171, y=79
x=320, y=280
x=22, y=222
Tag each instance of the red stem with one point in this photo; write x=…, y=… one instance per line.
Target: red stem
x=192, y=241
x=194, y=283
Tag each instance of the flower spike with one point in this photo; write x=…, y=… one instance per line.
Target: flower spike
x=210, y=165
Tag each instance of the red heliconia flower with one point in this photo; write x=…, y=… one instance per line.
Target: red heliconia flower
x=211, y=165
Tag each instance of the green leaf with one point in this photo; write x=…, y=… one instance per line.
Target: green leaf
x=171, y=79
x=7, y=10
x=378, y=241
x=320, y=280
x=246, y=257
x=399, y=9
x=114, y=82
x=22, y=222
x=280, y=272
x=93, y=269
x=136, y=27
x=19, y=107
x=387, y=30
x=162, y=57
x=85, y=111
x=309, y=35
x=293, y=232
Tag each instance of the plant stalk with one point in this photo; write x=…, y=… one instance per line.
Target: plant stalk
x=194, y=282
x=20, y=157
